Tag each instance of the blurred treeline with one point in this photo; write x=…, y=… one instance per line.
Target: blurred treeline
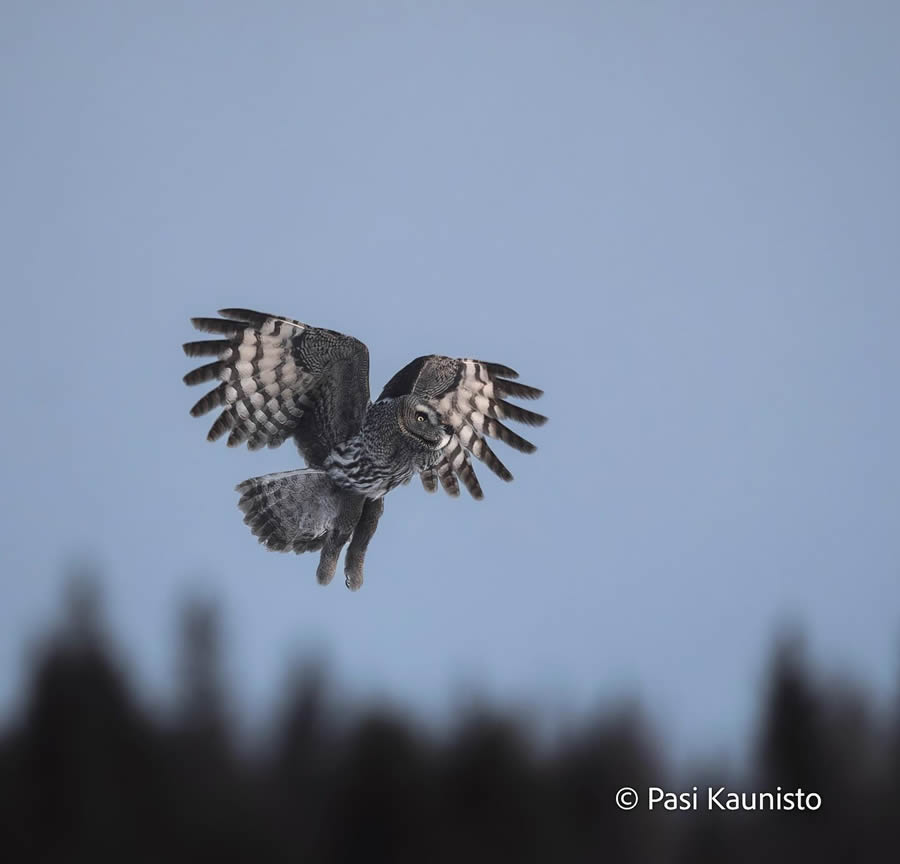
x=88, y=774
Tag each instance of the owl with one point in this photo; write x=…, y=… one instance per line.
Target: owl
x=278, y=378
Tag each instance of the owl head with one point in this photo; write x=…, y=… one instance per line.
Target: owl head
x=422, y=425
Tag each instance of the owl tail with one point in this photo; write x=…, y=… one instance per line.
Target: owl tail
x=301, y=511
x=290, y=511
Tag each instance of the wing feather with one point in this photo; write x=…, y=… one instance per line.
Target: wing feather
x=471, y=397
x=271, y=370
x=429, y=479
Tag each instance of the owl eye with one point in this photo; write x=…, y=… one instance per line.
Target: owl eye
x=420, y=417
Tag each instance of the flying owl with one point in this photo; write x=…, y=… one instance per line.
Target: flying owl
x=279, y=378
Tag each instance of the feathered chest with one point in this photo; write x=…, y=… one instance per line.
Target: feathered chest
x=374, y=471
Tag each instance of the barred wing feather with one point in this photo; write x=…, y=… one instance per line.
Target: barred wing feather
x=471, y=397
x=271, y=370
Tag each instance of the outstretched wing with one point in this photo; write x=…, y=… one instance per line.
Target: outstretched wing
x=470, y=397
x=279, y=378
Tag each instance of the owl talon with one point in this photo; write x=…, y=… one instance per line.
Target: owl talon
x=353, y=579
x=327, y=565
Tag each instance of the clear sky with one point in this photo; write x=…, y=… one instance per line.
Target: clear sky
x=682, y=220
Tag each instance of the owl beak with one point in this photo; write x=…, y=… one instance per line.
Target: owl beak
x=448, y=434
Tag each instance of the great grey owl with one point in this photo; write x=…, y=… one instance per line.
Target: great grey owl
x=279, y=378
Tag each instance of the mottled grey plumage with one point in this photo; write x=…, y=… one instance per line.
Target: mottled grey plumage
x=279, y=378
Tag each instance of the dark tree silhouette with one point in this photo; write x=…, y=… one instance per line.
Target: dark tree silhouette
x=88, y=774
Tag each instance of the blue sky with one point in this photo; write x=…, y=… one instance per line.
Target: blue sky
x=680, y=220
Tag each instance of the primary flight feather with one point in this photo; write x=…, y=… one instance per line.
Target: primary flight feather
x=278, y=378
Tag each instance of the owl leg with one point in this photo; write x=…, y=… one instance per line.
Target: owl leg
x=362, y=534
x=328, y=558
x=348, y=515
